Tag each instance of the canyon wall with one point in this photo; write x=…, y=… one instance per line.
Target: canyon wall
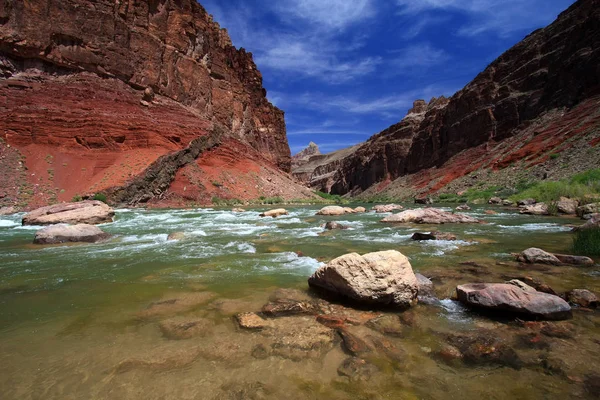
x=555, y=67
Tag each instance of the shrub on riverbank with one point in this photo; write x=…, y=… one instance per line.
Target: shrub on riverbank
x=587, y=242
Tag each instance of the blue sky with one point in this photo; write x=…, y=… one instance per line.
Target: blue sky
x=343, y=70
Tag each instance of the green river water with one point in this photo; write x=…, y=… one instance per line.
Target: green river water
x=71, y=328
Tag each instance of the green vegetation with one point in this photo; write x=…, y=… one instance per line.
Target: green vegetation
x=270, y=200
x=217, y=184
x=76, y=198
x=100, y=196
x=219, y=202
x=335, y=198
x=587, y=242
x=554, y=156
x=581, y=187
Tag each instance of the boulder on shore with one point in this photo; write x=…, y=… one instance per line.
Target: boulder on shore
x=592, y=223
x=591, y=208
x=385, y=208
x=495, y=200
x=63, y=233
x=434, y=235
x=7, y=210
x=535, y=209
x=83, y=212
x=274, y=213
x=567, y=206
x=423, y=200
x=383, y=278
x=526, y=202
x=508, y=298
x=430, y=216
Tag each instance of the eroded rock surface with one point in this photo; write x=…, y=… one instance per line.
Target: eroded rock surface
x=63, y=233
x=430, y=216
x=381, y=278
x=507, y=298
x=83, y=212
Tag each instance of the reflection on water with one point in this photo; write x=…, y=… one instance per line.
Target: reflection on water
x=141, y=317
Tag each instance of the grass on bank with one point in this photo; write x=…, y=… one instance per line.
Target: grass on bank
x=587, y=242
x=583, y=187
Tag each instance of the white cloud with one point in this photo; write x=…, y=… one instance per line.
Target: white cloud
x=327, y=14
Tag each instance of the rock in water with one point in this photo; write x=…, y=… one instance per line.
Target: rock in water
x=385, y=208
x=275, y=213
x=332, y=210
x=383, y=278
x=63, y=233
x=463, y=207
x=434, y=235
x=176, y=236
x=430, y=216
x=509, y=298
x=82, y=212
x=426, y=292
x=534, y=255
x=331, y=225
x=583, y=298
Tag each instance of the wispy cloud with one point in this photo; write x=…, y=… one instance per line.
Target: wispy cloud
x=327, y=14
x=499, y=17
x=421, y=56
x=305, y=42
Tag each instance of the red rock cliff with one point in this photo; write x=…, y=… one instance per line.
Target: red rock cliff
x=554, y=67
x=95, y=82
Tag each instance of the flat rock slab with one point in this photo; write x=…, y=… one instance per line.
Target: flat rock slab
x=385, y=208
x=170, y=305
x=383, y=278
x=63, y=233
x=185, y=328
x=83, y=212
x=274, y=213
x=509, y=298
x=430, y=216
x=335, y=210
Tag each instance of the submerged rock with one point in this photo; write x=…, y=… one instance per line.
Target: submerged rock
x=583, y=298
x=250, y=320
x=70, y=233
x=357, y=369
x=274, y=213
x=176, y=236
x=509, y=298
x=535, y=209
x=173, y=305
x=238, y=210
x=298, y=338
x=388, y=325
x=286, y=307
x=383, y=278
x=353, y=343
x=83, y=212
x=482, y=349
x=185, y=328
x=433, y=235
x=385, y=208
x=429, y=216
